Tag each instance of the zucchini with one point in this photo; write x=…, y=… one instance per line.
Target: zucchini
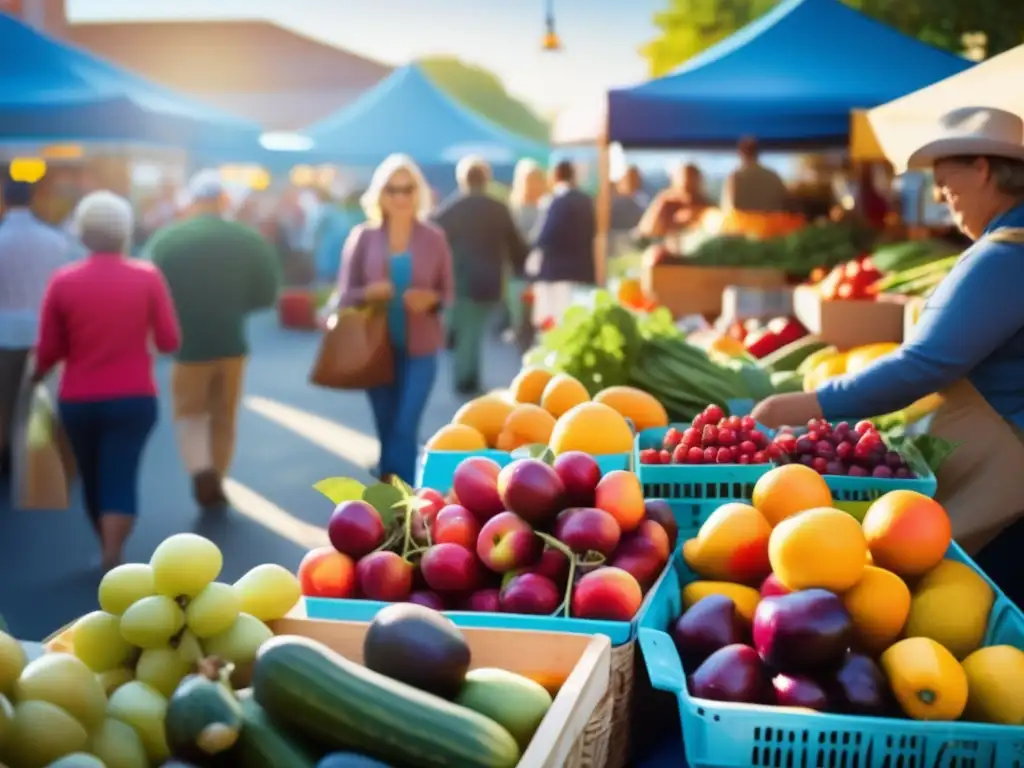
x=342, y=705
x=789, y=357
x=264, y=745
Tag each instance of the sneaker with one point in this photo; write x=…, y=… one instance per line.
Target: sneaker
x=207, y=490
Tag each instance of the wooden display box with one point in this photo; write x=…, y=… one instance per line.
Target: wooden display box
x=575, y=730
x=695, y=290
x=849, y=323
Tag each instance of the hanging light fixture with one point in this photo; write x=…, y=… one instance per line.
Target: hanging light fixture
x=551, y=41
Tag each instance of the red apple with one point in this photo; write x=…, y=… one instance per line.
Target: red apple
x=530, y=593
x=475, y=483
x=355, y=528
x=643, y=553
x=481, y=601
x=455, y=524
x=507, y=542
x=620, y=494
x=385, y=576
x=435, y=501
x=428, y=599
x=772, y=587
x=660, y=511
x=588, y=529
x=531, y=489
x=580, y=474
x=607, y=593
x=450, y=568
x=325, y=572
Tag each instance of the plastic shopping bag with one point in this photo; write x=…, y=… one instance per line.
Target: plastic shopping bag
x=42, y=462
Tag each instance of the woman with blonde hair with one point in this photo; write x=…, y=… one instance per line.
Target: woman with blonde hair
x=529, y=186
x=401, y=263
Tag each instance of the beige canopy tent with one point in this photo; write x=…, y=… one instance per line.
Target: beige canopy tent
x=894, y=130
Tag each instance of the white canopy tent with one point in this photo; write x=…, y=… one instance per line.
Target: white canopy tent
x=903, y=125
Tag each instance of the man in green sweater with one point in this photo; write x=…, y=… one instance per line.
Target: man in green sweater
x=219, y=272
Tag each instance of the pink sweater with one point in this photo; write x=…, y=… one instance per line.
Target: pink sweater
x=97, y=318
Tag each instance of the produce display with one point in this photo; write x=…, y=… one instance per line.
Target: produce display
x=855, y=280
x=799, y=604
x=532, y=537
x=914, y=268
x=759, y=340
x=311, y=702
x=841, y=449
x=819, y=245
x=714, y=438
x=112, y=685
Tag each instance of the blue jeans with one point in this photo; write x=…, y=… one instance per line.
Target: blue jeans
x=397, y=411
x=107, y=438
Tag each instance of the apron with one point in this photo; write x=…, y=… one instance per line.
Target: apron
x=981, y=485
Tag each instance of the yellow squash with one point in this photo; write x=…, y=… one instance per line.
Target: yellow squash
x=859, y=358
x=926, y=679
x=995, y=685
x=829, y=368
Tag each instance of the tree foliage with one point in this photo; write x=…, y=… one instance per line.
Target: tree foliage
x=687, y=27
x=484, y=93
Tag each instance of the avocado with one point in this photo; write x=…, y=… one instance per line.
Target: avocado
x=419, y=647
x=515, y=702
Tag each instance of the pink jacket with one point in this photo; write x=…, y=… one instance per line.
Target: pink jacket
x=364, y=260
x=98, y=317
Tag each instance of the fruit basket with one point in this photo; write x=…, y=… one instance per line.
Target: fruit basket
x=438, y=467
x=726, y=735
x=576, y=730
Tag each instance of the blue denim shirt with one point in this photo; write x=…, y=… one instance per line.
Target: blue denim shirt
x=972, y=326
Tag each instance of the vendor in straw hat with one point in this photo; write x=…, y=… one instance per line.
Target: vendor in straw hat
x=968, y=346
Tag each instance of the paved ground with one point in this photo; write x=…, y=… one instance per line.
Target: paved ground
x=290, y=436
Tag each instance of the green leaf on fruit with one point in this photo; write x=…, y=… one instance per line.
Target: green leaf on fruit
x=384, y=498
x=339, y=489
x=534, y=451
x=401, y=485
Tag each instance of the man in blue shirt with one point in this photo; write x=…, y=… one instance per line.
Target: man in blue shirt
x=968, y=345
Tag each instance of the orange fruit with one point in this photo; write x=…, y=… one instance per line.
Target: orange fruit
x=593, y=428
x=562, y=393
x=789, y=489
x=528, y=385
x=642, y=408
x=907, y=532
x=485, y=414
x=879, y=605
x=820, y=548
x=456, y=437
x=528, y=424
x=731, y=545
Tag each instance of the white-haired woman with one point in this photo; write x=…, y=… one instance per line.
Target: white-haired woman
x=401, y=263
x=98, y=318
x=529, y=186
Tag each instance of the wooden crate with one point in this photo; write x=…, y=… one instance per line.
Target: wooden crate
x=574, y=733
x=694, y=290
x=849, y=323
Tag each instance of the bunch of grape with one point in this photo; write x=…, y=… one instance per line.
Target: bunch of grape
x=842, y=449
x=157, y=620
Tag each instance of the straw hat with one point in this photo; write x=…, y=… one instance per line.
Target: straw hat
x=972, y=131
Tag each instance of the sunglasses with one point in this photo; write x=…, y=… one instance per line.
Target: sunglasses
x=407, y=191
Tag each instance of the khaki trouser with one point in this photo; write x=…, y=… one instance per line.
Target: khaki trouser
x=206, y=397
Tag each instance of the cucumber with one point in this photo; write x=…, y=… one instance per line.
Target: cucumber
x=789, y=357
x=341, y=705
x=264, y=745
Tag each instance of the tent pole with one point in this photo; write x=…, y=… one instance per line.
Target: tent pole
x=603, y=208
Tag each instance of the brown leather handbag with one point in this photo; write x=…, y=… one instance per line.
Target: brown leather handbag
x=355, y=351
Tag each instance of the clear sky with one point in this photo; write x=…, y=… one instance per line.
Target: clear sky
x=601, y=37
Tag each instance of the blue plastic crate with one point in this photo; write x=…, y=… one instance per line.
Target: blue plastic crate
x=438, y=467
x=702, y=486
x=720, y=735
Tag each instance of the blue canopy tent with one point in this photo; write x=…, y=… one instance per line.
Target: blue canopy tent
x=790, y=78
x=407, y=113
x=54, y=92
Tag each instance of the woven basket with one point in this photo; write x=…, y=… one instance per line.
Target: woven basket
x=604, y=743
